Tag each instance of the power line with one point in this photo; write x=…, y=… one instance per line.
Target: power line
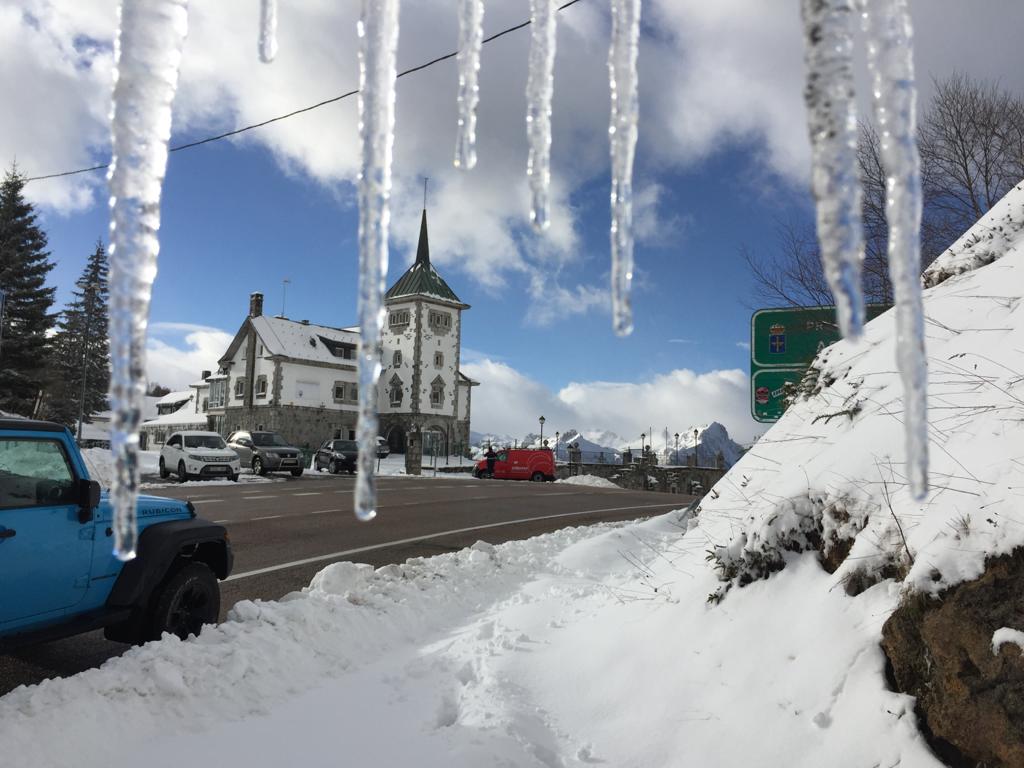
x=310, y=108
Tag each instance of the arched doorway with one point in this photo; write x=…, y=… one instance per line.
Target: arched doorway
x=396, y=439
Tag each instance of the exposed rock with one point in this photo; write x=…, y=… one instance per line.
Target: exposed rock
x=970, y=700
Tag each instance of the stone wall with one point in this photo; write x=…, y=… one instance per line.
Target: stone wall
x=695, y=481
x=302, y=426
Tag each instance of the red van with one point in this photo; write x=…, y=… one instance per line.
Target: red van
x=520, y=464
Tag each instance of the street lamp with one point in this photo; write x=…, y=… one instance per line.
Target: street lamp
x=695, y=462
x=542, y=420
x=677, y=448
x=643, y=436
x=557, y=433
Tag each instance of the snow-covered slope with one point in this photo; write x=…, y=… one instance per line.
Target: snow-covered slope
x=995, y=234
x=837, y=456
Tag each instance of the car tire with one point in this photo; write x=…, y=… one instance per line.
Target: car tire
x=182, y=474
x=352, y=470
x=537, y=477
x=234, y=477
x=257, y=466
x=187, y=600
x=296, y=473
x=333, y=468
x=488, y=475
x=164, y=474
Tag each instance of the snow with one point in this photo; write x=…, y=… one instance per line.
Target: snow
x=147, y=55
x=471, y=35
x=301, y=341
x=592, y=481
x=540, y=86
x=891, y=61
x=176, y=398
x=1007, y=636
x=100, y=464
x=622, y=134
x=832, y=124
x=378, y=41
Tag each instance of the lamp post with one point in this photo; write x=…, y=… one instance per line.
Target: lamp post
x=643, y=436
x=695, y=462
x=541, y=420
x=557, y=433
x=677, y=448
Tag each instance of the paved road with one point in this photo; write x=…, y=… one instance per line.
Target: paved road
x=283, y=532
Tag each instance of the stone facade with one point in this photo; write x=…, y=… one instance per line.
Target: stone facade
x=693, y=481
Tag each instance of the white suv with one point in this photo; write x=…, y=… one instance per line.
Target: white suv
x=199, y=455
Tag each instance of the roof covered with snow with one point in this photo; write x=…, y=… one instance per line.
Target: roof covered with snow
x=305, y=341
x=175, y=397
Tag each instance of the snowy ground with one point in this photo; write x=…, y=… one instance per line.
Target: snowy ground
x=591, y=480
x=621, y=645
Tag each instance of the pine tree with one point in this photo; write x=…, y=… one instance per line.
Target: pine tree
x=81, y=358
x=24, y=265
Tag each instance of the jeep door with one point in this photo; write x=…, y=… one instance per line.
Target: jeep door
x=241, y=443
x=45, y=552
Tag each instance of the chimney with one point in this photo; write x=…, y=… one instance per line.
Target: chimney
x=255, y=304
x=204, y=375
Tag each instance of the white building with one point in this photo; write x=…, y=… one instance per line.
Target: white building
x=301, y=379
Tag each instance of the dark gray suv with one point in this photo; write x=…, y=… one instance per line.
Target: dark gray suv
x=266, y=452
x=337, y=456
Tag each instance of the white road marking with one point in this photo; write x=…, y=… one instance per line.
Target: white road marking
x=221, y=522
x=208, y=501
x=425, y=537
x=267, y=517
x=324, y=511
x=259, y=497
x=307, y=493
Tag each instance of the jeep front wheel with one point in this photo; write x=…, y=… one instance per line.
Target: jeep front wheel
x=164, y=474
x=189, y=599
x=257, y=466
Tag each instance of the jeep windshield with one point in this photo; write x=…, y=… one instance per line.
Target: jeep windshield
x=267, y=438
x=345, y=445
x=204, y=441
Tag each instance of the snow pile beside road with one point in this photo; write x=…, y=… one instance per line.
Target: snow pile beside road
x=592, y=480
x=101, y=465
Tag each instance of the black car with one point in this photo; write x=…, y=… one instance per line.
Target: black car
x=337, y=456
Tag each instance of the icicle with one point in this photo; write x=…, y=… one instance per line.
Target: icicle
x=622, y=131
x=891, y=62
x=471, y=35
x=268, y=30
x=832, y=123
x=378, y=40
x=539, y=90
x=147, y=55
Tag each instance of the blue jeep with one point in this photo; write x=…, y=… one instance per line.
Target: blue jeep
x=57, y=569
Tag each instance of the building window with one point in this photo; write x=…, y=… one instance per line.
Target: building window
x=439, y=321
x=206, y=404
x=239, y=388
x=353, y=393
x=339, y=391
x=261, y=386
x=337, y=348
x=346, y=392
x=395, y=392
x=218, y=393
x=437, y=393
x=400, y=317
x=396, y=358
x=439, y=359
x=261, y=350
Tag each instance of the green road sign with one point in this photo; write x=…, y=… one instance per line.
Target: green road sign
x=786, y=341
x=768, y=388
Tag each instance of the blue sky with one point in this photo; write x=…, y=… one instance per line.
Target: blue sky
x=722, y=158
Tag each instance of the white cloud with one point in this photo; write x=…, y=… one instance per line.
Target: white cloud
x=508, y=402
x=712, y=74
x=178, y=352
x=743, y=344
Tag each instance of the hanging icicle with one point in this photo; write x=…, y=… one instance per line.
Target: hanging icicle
x=147, y=55
x=378, y=41
x=622, y=132
x=268, y=30
x=539, y=90
x=471, y=35
x=891, y=62
x=832, y=123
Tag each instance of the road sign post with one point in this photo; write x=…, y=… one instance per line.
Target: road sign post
x=783, y=344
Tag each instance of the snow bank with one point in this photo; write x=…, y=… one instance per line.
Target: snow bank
x=101, y=468
x=835, y=462
x=592, y=480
